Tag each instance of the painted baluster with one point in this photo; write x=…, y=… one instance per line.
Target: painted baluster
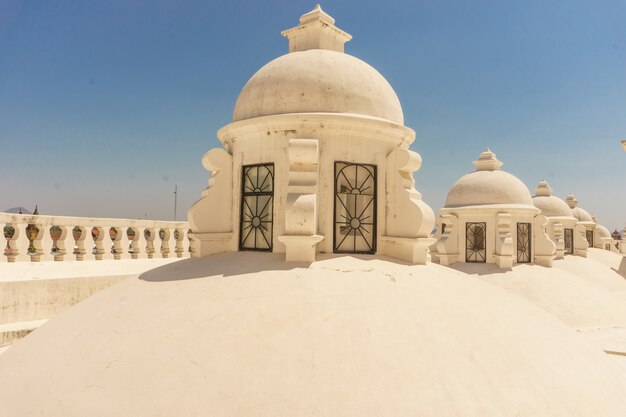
x=149, y=235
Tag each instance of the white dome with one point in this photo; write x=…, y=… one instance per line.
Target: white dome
x=246, y=335
x=550, y=205
x=488, y=185
x=581, y=214
x=603, y=231
x=318, y=80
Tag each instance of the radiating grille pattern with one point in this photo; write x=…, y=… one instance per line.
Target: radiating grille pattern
x=355, y=208
x=569, y=241
x=257, y=211
x=475, y=242
x=523, y=242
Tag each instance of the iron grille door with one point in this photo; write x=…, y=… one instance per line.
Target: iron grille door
x=475, y=242
x=589, y=234
x=569, y=241
x=257, y=211
x=523, y=242
x=355, y=208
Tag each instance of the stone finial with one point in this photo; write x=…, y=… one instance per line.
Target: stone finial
x=316, y=30
x=624, y=144
x=487, y=161
x=571, y=201
x=543, y=189
x=594, y=218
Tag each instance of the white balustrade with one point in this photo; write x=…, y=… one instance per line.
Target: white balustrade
x=37, y=238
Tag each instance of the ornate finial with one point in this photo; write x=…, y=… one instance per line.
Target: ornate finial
x=487, y=161
x=543, y=189
x=316, y=30
x=36, y=212
x=571, y=201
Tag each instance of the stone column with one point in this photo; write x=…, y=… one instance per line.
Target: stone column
x=504, y=241
x=409, y=221
x=300, y=236
x=545, y=249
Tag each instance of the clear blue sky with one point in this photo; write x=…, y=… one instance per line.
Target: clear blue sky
x=105, y=105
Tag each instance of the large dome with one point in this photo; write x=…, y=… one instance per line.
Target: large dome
x=318, y=80
x=246, y=335
x=488, y=185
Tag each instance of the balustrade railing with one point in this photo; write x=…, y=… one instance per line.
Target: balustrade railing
x=36, y=238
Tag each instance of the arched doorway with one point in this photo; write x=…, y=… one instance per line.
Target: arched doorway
x=355, y=208
x=257, y=207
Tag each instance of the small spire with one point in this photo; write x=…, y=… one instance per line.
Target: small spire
x=316, y=30
x=36, y=212
x=571, y=201
x=487, y=161
x=543, y=189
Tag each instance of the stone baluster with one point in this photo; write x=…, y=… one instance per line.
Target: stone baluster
x=121, y=243
x=99, y=242
x=46, y=242
x=64, y=244
x=149, y=236
x=136, y=242
x=166, y=237
x=36, y=232
x=18, y=244
x=83, y=243
x=179, y=237
x=107, y=243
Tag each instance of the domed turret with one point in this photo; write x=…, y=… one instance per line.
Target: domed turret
x=316, y=76
x=488, y=185
x=550, y=205
x=579, y=213
x=489, y=217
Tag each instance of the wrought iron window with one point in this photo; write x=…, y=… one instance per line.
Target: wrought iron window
x=569, y=241
x=355, y=208
x=524, y=233
x=589, y=235
x=257, y=211
x=475, y=242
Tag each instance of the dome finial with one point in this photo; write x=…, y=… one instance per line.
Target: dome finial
x=571, y=201
x=487, y=161
x=316, y=30
x=543, y=189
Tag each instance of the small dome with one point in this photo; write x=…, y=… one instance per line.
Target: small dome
x=603, y=231
x=488, y=185
x=318, y=81
x=580, y=214
x=550, y=205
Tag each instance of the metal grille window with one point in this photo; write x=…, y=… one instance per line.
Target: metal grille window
x=523, y=242
x=590, y=238
x=475, y=242
x=355, y=208
x=257, y=211
x=569, y=241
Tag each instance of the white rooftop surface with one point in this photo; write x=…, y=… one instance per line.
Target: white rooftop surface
x=24, y=271
x=246, y=334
